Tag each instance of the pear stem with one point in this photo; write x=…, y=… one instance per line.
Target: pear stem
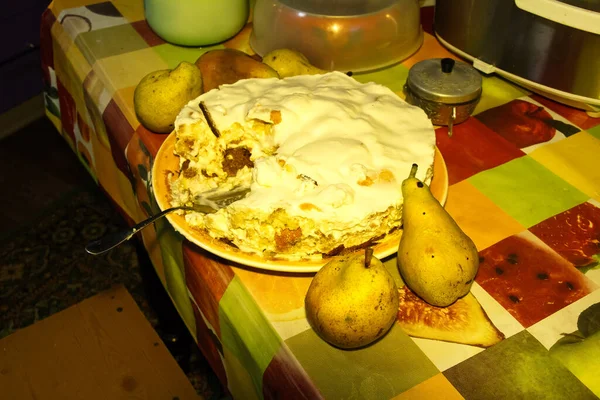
x=413, y=171
x=368, y=256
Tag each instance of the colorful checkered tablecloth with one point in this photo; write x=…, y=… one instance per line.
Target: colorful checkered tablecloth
x=524, y=185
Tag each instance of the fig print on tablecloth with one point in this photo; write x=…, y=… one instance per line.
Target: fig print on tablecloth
x=521, y=122
x=579, y=351
x=529, y=279
x=465, y=321
x=574, y=234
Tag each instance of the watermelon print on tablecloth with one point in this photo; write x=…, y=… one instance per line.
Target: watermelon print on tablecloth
x=529, y=279
x=574, y=115
x=574, y=234
x=521, y=122
x=473, y=148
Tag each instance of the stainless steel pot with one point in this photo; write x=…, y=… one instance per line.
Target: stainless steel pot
x=549, y=46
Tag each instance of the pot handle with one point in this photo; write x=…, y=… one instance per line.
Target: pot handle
x=562, y=13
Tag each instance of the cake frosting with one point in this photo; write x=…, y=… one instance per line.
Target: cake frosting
x=324, y=156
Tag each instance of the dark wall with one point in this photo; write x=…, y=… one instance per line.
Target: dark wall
x=20, y=70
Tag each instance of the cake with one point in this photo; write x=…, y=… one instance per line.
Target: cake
x=323, y=155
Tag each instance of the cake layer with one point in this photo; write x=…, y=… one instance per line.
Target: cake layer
x=324, y=155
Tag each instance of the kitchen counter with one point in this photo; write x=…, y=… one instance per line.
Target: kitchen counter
x=524, y=184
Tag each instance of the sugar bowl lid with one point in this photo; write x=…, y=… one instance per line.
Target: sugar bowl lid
x=444, y=80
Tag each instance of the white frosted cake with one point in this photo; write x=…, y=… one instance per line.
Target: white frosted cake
x=324, y=156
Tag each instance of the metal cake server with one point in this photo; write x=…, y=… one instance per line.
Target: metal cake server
x=204, y=203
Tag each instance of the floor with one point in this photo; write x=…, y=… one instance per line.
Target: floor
x=39, y=168
x=109, y=352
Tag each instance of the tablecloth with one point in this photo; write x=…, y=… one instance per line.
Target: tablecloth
x=524, y=184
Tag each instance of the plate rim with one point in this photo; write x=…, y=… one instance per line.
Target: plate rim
x=159, y=173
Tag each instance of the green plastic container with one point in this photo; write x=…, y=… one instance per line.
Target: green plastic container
x=196, y=22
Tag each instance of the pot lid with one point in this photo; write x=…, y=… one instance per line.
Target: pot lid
x=347, y=8
x=444, y=80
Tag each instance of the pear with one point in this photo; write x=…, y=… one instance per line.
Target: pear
x=581, y=356
x=352, y=301
x=159, y=96
x=226, y=66
x=288, y=62
x=579, y=351
x=436, y=259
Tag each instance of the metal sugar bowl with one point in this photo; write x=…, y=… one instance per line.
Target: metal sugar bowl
x=447, y=90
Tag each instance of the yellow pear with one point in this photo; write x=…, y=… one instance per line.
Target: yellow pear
x=159, y=96
x=437, y=260
x=352, y=301
x=288, y=62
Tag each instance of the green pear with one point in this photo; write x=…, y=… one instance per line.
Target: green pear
x=159, y=96
x=580, y=351
x=436, y=259
x=352, y=301
x=288, y=62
